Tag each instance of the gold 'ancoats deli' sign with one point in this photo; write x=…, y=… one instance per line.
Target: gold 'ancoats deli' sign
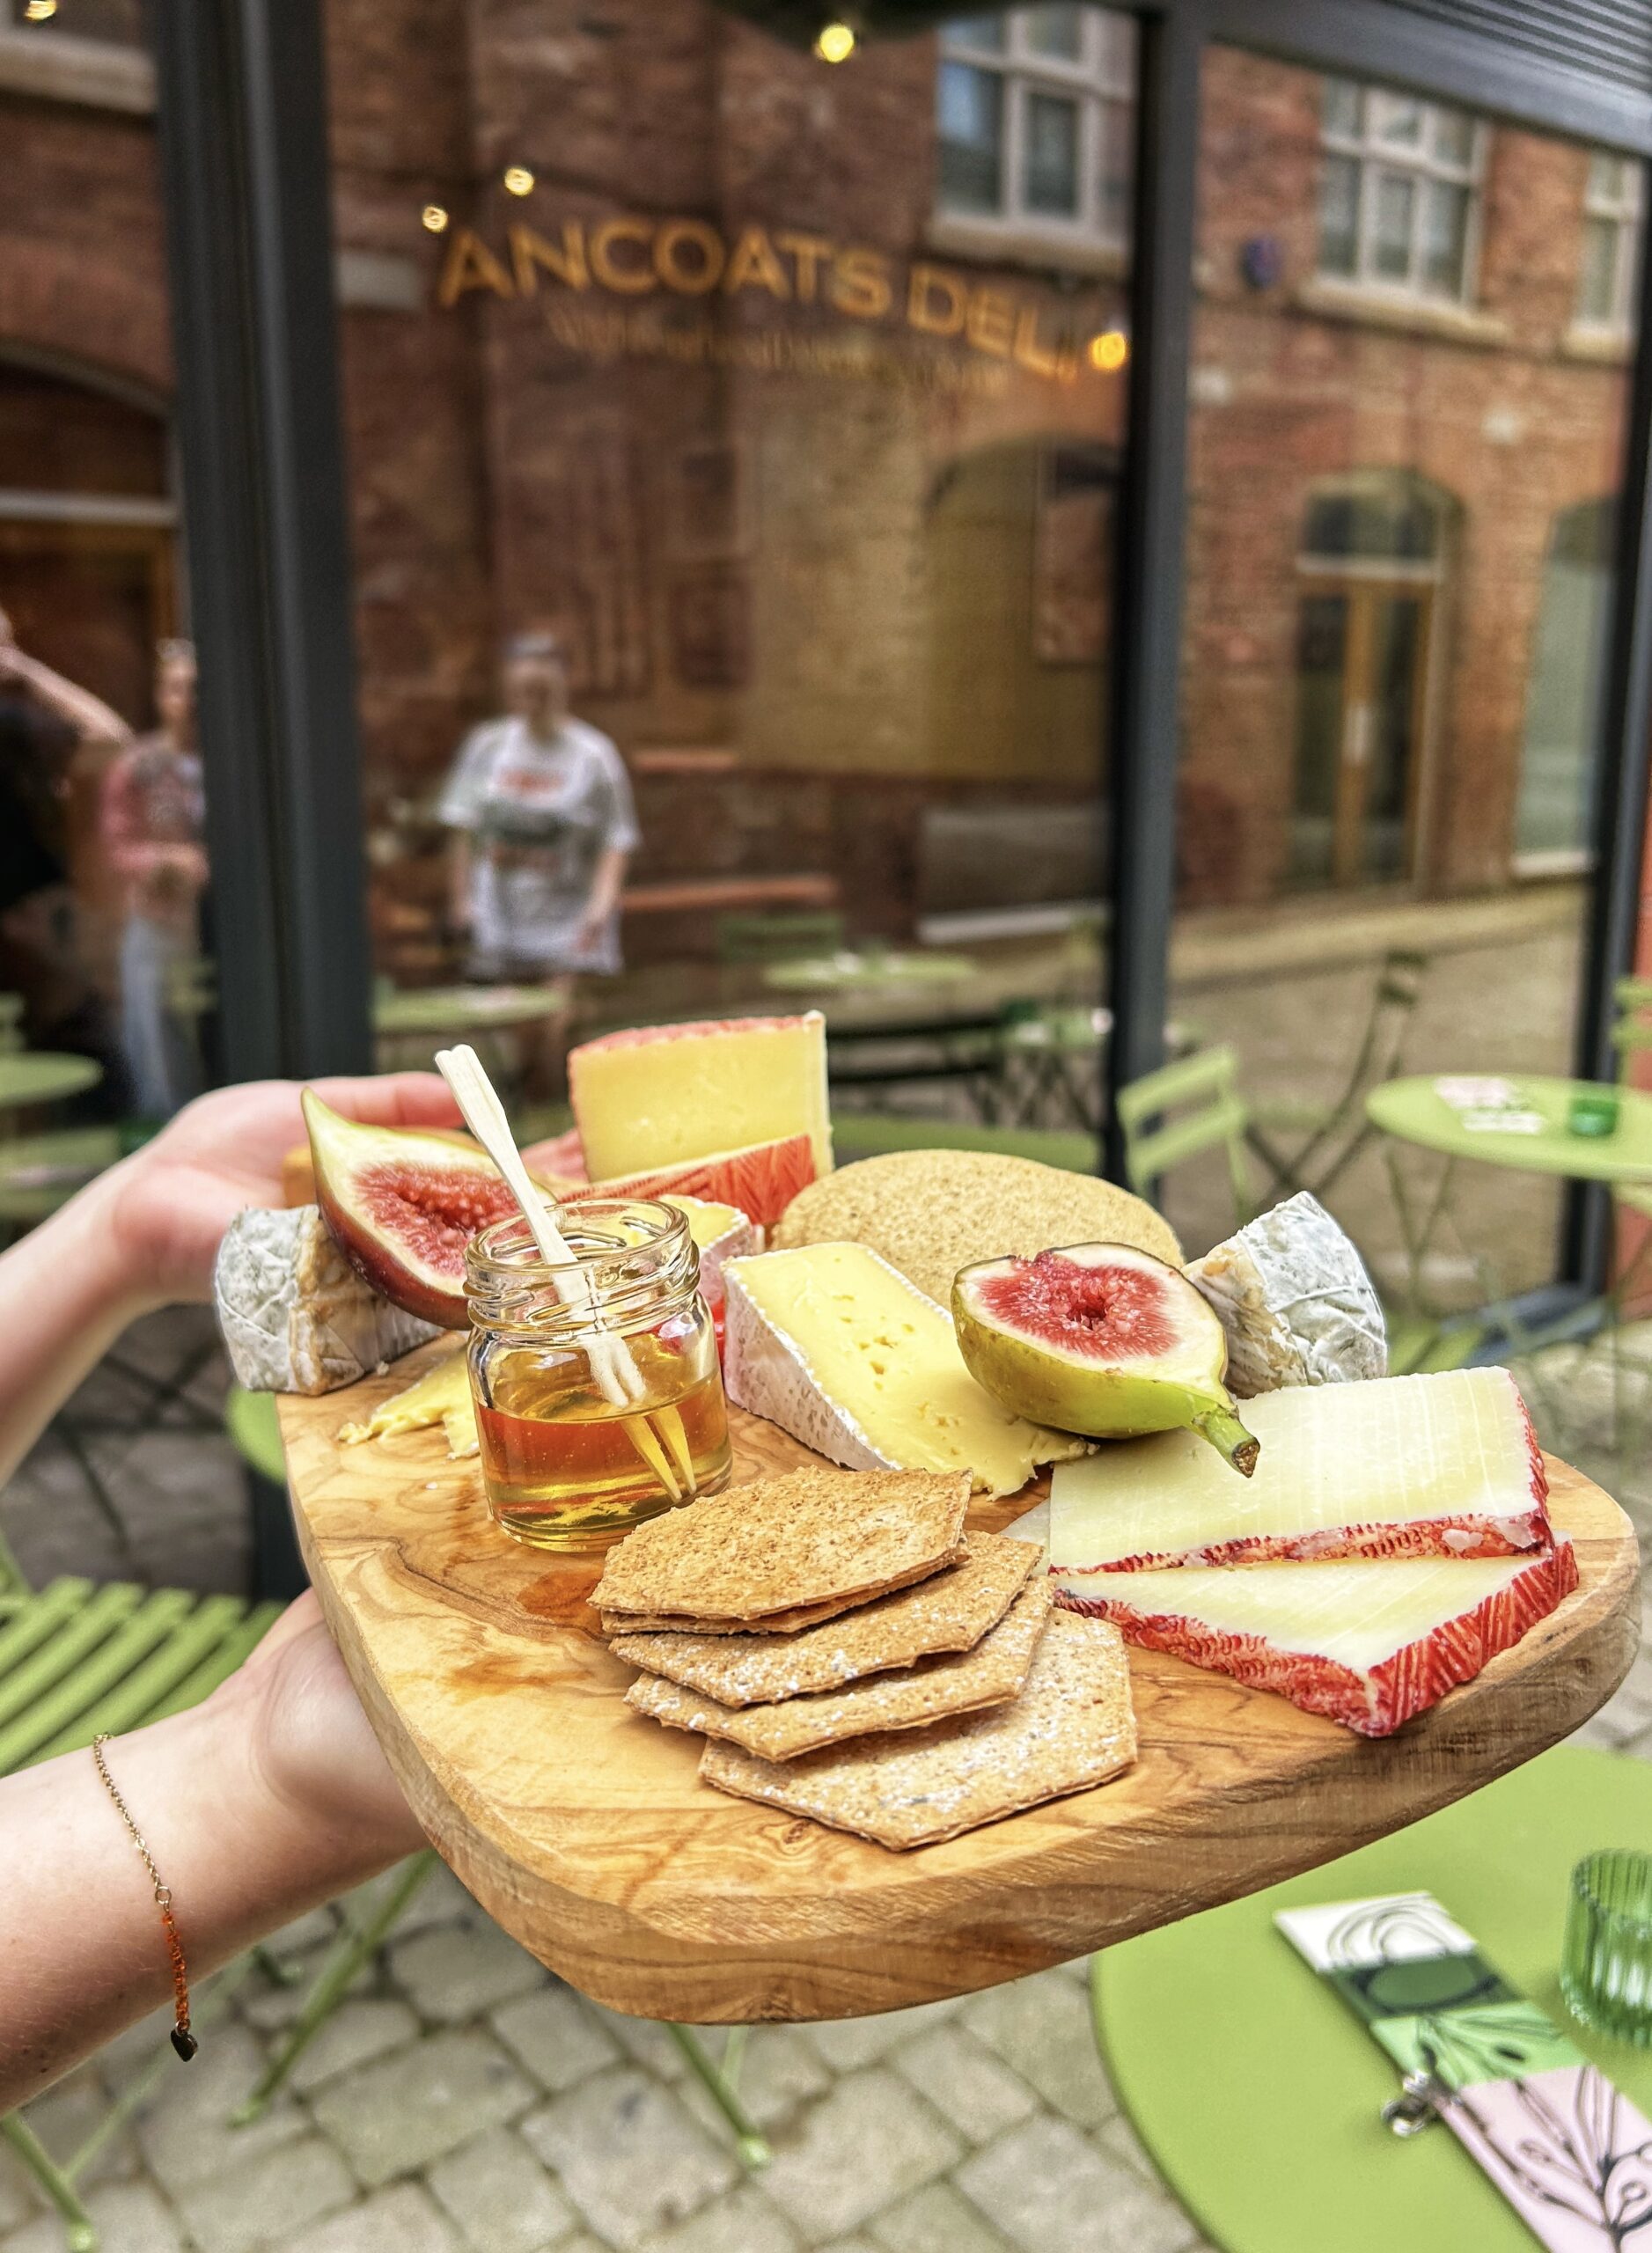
x=631, y=256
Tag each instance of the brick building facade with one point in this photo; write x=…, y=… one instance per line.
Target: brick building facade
x=817, y=475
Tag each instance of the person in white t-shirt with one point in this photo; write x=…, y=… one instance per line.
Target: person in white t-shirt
x=543, y=823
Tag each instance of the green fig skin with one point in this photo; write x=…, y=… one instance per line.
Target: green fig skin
x=1099, y=1402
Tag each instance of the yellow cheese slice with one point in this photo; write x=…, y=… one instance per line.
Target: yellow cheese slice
x=663, y=1093
x=837, y=1347
x=442, y=1396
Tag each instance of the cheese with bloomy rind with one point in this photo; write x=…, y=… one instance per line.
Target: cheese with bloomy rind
x=1366, y=1644
x=721, y=1233
x=294, y=1315
x=648, y=1097
x=441, y=1396
x=838, y=1348
x=1440, y=1465
x=1296, y=1301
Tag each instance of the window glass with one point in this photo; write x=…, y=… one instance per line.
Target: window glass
x=1398, y=584
x=971, y=111
x=733, y=469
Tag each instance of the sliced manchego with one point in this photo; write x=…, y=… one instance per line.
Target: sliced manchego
x=1366, y=1644
x=837, y=1347
x=647, y=1099
x=1440, y=1465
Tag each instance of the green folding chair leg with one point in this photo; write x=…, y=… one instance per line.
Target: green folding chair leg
x=79, y=2230
x=721, y=2083
x=346, y=1958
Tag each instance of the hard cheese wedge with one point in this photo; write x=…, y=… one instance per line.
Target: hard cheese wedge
x=441, y=1396
x=647, y=1099
x=1367, y=1645
x=1443, y=1465
x=838, y=1348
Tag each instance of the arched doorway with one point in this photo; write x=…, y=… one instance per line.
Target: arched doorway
x=1373, y=557
x=1563, y=691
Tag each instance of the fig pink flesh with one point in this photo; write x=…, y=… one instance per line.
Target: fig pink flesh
x=430, y=1214
x=1109, y=1313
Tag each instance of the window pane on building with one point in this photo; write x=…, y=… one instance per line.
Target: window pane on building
x=983, y=32
x=970, y=111
x=1399, y=585
x=1598, y=271
x=1051, y=142
x=1392, y=209
x=1054, y=31
x=1342, y=107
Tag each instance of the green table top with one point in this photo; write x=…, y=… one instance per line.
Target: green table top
x=832, y=972
x=249, y=1418
x=1411, y=1111
x=443, y=1009
x=1254, y=2086
x=39, y=1076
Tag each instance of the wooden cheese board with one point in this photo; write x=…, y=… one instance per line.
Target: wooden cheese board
x=586, y=1831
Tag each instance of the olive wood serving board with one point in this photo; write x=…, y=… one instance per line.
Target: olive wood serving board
x=585, y=1828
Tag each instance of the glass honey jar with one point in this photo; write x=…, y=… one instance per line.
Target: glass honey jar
x=597, y=1388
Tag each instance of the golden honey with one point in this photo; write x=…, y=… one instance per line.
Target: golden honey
x=598, y=1395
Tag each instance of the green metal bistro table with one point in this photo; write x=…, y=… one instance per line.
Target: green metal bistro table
x=1412, y=1111
x=42, y=1075
x=1253, y=2086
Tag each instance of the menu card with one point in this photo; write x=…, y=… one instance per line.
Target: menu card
x=1569, y=2151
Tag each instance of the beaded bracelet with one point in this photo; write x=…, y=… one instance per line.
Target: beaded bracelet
x=182, y=2040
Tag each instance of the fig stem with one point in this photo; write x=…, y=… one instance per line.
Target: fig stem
x=1228, y=1435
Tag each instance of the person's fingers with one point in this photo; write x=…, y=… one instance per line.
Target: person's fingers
x=392, y=1099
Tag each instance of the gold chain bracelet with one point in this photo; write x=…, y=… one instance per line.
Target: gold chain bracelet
x=183, y=2041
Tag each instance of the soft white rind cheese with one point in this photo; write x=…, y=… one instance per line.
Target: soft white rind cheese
x=294, y=1315
x=1296, y=1301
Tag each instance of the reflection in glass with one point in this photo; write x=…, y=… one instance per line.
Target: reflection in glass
x=969, y=109
x=1400, y=576
x=1051, y=147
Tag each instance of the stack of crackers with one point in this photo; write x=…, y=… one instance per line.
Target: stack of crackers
x=854, y=1655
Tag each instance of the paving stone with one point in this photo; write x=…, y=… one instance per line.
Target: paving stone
x=404, y=2111
x=782, y=2071
x=745, y=2221
x=500, y=2196
x=1040, y=2028
x=130, y=2052
x=362, y=2029
x=965, y=2081
x=849, y=2245
x=69, y=2113
x=559, y=2037
x=454, y=1972
x=629, y=2156
x=440, y=1900
x=867, y=2143
x=129, y=2217
x=270, y=2200
x=847, y=2044
x=404, y=2219
x=1045, y=2185
x=647, y=2044
x=304, y=1933
x=271, y=2007
x=1121, y=2140
x=939, y=2219
x=19, y=2197
x=183, y=2130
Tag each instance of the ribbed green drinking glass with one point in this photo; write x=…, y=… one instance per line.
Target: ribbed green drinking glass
x=1606, y=1957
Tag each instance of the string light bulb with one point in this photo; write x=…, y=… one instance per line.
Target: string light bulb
x=834, y=42
x=433, y=218
x=39, y=11
x=1109, y=351
x=518, y=180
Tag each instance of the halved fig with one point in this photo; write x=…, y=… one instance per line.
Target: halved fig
x=402, y=1204
x=1099, y=1338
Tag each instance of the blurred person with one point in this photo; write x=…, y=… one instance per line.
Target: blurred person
x=44, y=720
x=154, y=819
x=543, y=823
x=270, y=1796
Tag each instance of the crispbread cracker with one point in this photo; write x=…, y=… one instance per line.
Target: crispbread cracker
x=1071, y=1727
x=950, y=1611
x=931, y=1212
x=772, y=1623
x=815, y=1537
x=966, y=1683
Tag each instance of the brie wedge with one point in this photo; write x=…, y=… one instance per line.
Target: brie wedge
x=294, y=1315
x=1296, y=1301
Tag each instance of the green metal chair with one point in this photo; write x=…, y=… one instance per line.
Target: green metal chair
x=39, y=1172
x=872, y=1133
x=1178, y=1112
x=779, y=937
x=77, y=1660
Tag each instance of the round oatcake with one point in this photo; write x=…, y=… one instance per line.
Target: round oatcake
x=931, y=1212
